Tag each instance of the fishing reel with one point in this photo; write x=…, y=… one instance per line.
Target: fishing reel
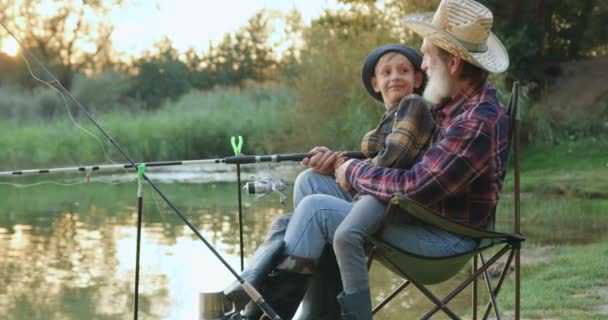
x=263, y=186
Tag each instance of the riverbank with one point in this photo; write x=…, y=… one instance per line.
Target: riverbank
x=576, y=169
x=562, y=282
x=564, y=259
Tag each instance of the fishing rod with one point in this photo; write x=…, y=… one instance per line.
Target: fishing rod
x=228, y=160
x=248, y=288
x=251, y=291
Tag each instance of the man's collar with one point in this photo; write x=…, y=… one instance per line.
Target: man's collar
x=449, y=107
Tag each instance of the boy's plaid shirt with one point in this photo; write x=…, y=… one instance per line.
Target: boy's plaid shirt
x=402, y=133
x=460, y=175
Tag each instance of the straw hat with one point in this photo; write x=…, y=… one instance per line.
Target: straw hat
x=462, y=27
x=372, y=60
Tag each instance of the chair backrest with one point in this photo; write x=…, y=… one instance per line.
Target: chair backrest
x=514, y=118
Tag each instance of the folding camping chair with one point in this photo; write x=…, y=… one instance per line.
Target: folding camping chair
x=422, y=270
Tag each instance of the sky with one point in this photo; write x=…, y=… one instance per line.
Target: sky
x=189, y=23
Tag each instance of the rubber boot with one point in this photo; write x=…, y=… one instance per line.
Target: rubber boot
x=259, y=266
x=356, y=306
x=283, y=290
x=320, y=301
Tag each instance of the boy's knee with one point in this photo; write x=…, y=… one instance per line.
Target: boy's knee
x=345, y=238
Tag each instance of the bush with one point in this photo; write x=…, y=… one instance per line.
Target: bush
x=23, y=105
x=197, y=126
x=102, y=93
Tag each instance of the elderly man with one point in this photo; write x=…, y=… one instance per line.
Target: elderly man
x=459, y=176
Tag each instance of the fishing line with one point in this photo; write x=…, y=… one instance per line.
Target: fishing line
x=249, y=289
x=64, y=184
x=159, y=207
x=67, y=107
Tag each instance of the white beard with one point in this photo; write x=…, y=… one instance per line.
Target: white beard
x=438, y=85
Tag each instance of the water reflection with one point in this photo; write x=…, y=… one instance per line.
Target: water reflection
x=79, y=264
x=68, y=253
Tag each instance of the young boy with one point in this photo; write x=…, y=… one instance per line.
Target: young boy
x=392, y=74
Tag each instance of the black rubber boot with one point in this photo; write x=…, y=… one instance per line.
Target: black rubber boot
x=320, y=301
x=283, y=290
x=259, y=266
x=356, y=306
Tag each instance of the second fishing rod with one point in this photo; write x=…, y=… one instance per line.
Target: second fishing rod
x=251, y=291
x=243, y=159
x=248, y=288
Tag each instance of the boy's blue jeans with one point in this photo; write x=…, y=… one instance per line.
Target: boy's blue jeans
x=324, y=214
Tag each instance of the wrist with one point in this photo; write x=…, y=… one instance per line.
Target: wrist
x=350, y=172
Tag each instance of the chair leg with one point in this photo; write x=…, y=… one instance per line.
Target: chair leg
x=390, y=297
x=517, y=283
x=439, y=304
x=490, y=288
x=474, y=293
x=465, y=283
x=501, y=279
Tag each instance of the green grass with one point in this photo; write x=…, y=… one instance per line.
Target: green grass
x=550, y=219
x=566, y=286
x=575, y=169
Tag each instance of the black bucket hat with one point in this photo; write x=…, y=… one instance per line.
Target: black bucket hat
x=372, y=59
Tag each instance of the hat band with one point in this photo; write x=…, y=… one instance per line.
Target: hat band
x=470, y=46
x=474, y=47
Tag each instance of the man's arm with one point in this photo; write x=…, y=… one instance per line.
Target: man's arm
x=449, y=165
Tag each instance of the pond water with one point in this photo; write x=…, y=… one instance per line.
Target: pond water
x=68, y=252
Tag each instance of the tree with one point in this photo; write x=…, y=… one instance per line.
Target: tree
x=159, y=76
x=246, y=55
x=541, y=34
x=69, y=36
x=289, y=62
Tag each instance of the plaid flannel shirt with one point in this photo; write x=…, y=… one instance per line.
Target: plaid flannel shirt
x=460, y=175
x=402, y=133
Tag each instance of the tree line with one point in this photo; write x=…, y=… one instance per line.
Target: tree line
x=320, y=62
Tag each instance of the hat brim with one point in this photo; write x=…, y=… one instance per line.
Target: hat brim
x=495, y=59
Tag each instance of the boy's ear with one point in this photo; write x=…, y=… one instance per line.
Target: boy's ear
x=375, y=84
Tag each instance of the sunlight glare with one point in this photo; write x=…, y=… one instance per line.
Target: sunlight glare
x=10, y=47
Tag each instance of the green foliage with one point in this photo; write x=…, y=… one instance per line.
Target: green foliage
x=246, y=55
x=21, y=105
x=102, y=92
x=328, y=86
x=289, y=64
x=69, y=36
x=199, y=125
x=159, y=76
x=320, y=66
x=541, y=34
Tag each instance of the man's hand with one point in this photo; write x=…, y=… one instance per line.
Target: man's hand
x=323, y=160
x=341, y=175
